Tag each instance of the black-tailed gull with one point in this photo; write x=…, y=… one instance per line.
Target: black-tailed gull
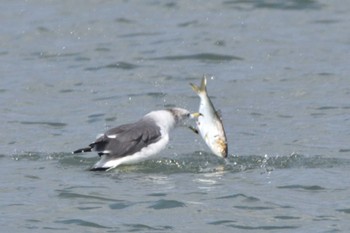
x=137, y=141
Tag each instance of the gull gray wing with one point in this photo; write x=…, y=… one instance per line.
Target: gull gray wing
x=127, y=139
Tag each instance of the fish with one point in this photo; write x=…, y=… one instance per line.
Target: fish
x=209, y=122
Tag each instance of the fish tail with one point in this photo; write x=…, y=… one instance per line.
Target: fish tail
x=202, y=88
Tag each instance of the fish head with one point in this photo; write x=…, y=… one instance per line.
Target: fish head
x=219, y=147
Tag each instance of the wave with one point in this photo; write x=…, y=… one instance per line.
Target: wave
x=197, y=162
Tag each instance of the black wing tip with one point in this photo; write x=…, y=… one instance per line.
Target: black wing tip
x=82, y=150
x=99, y=169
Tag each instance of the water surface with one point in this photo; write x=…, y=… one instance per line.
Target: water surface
x=279, y=75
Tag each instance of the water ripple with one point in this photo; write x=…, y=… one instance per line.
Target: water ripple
x=51, y=124
x=232, y=224
x=119, y=206
x=303, y=187
x=167, y=204
x=283, y=5
x=266, y=228
x=346, y=211
x=70, y=195
x=117, y=65
x=143, y=228
x=81, y=222
x=240, y=195
x=200, y=57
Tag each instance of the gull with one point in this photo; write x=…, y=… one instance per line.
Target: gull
x=134, y=142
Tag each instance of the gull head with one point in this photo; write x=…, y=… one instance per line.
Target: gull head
x=181, y=115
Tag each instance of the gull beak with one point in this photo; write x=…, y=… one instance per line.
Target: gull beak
x=196, y=115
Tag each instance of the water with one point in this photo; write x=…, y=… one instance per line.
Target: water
x=280, y=77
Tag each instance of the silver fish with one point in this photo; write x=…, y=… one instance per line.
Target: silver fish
x=209, y=123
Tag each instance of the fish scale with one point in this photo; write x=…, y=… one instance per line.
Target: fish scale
x=209, y=124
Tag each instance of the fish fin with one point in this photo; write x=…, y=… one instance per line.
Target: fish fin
x=202, y=88
x=219, y=114
x=203, y=83
x=195, y=88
